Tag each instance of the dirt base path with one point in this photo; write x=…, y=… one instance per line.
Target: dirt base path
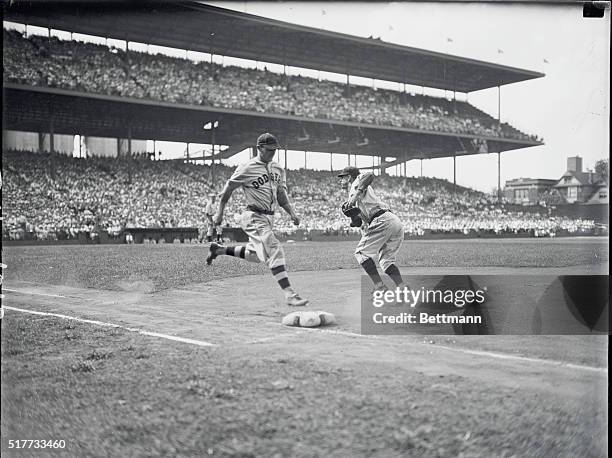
x=244, y=314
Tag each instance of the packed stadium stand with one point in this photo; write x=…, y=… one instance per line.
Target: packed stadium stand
x=56, y=197
x=92, y=68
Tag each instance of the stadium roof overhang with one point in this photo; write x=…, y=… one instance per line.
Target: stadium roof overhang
x=198, y=27
x=39, y=109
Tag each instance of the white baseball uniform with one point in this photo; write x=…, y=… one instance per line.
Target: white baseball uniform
x=382, y=231
x=260, y=182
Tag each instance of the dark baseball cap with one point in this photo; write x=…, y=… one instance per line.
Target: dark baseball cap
x=268, y=140
x=350, y=170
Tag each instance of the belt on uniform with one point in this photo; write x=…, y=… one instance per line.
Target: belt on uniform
x=259, y=210
x=377, y=214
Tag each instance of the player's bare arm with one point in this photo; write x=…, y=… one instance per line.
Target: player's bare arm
x=283, y=201
x=229, y=188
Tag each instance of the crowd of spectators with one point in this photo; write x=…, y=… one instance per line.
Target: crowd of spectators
x=48, y=61
x=53, y=196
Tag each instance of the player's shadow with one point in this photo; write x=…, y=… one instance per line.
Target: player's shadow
x=585, y=297
x=453, y=301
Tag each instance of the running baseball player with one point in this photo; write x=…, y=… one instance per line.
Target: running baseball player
x=382, y=231
x=212, y=229
x=265, y=188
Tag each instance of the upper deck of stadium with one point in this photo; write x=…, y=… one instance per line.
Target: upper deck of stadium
x=204, y=28
x=197, y=27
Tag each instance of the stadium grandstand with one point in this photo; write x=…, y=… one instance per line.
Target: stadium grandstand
x=59, y=197
x=61, y=88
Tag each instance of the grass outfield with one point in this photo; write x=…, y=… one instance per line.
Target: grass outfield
x=159, y=267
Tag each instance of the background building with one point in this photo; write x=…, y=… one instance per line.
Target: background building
x=578, y=186
x=526, y=191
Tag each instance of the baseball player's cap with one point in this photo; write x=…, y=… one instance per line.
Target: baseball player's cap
x=268, y=140
x=350, y=170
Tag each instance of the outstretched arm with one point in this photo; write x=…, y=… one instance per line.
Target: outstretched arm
x=283, y=201
x=364, y=181
x=229, y=188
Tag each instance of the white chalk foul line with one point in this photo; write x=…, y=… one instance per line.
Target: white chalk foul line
x=199, y=343
x=32, y=293
x=548, y=362
x=488, y=354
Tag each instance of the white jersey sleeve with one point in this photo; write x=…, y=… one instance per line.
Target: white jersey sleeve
x=240, y=174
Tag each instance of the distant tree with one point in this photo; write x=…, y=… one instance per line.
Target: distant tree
x=602, y=169
x=550, y=197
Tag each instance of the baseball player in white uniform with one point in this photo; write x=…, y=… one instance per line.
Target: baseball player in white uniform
x=382, y=231
x=265, y=188
x=212, y=229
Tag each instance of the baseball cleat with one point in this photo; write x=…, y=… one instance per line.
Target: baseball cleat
x=296, y=301
x=212, y=253
x=383, y=288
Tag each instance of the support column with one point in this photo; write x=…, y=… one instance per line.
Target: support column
x=130, y=141
x=51, y=142
x=129, y=156
x=212, y=165
x=286, y=157
x=127, y=60
x=348, y=86
x=212, y=49
x=331, y=162
x=421, y=167
x=305, y=163
x=498, y=104
x=499, y=177
x=155, y=157
x=454, y=174
x=41, y=142
x=52, y=149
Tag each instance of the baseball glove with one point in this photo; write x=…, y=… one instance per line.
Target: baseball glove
x=353, y=213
